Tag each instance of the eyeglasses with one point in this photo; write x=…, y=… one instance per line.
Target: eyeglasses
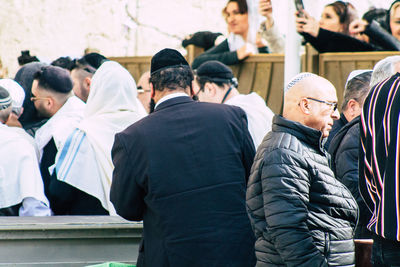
x=34, y=98
x=141, y=90
x=332, y=104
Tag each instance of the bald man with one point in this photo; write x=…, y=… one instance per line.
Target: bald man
x=301, y=215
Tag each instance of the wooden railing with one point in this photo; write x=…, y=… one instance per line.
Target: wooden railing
x=264, y=73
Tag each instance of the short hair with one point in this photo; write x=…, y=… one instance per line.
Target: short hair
x=377, y=14
x=242, y=4
x=63, y=62
x=346, y=12
x=54, y=79
x=175, y=78
x=384, y=69
x=357, y=88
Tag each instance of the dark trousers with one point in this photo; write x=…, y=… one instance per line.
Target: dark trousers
x=385, y=252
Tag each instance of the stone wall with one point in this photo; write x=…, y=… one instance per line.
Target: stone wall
x=54, y=28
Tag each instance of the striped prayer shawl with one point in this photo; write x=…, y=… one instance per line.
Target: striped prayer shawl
x=379, y=160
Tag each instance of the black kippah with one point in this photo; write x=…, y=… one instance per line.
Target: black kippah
x=57, y=78
x=95, y=59
x=167, y=58
x=215, y=71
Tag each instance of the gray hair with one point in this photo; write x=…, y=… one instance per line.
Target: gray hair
x=384, y=69
x=357, y=88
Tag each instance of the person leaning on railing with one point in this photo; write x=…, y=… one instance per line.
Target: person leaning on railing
x=243, y=20
x=337, y=37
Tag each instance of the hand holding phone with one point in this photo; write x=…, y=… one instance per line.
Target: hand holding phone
x=299, y=7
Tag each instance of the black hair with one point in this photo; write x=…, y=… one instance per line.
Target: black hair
x=63, y=62
x=172, y=78
x=377, y=14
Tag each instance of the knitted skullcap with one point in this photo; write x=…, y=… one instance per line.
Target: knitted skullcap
x=16, y=92
x=167, y=58
x=5, y=99
x=299, y=77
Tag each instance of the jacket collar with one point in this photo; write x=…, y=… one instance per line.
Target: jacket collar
x=173, y=101
x=304, y=133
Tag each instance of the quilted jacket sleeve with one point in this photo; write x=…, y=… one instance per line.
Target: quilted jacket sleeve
x=285, y=185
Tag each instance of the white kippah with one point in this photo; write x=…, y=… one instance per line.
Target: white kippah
x=297, y=79
x=353, y=74
x=16, y=92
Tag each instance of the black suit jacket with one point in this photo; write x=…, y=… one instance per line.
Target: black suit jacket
x=183, y=171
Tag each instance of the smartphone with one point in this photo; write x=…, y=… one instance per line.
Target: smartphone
x=300, y=7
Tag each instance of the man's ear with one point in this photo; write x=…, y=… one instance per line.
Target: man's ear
x=353, y=105
x=153, y=93
x=210, y=89
x=304, y=105
x=87, y=82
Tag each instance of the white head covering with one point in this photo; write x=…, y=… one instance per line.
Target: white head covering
x=355, y=73
x=16, y=92
x=236, y=41
x=111, y=107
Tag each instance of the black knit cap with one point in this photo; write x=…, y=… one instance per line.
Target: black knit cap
x=167, y=58
x=215, y=71
x=57, y=78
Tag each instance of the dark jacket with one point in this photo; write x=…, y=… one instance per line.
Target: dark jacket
x=301, y=214
x=328, y=41
x=221, y=53
x=64, y=198
x=344, y=150
x=183, y=171
x=337, y=125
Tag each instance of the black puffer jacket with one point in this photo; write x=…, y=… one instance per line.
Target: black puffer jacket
x=301, y=215
x=344, y=150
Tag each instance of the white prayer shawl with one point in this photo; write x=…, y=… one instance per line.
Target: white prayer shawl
x=85, y=160
x=19, y=170
x=60, y=125
x=235, y=41
x=259, y=116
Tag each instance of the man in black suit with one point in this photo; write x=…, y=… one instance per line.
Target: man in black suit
x=183, y=171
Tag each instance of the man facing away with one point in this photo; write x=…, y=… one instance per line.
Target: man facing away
x=215, y=83
x=183, y=171
x=300, y=213
x=52, y=97
x=379, y=167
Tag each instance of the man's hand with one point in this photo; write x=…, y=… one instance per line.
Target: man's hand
x=307, y=24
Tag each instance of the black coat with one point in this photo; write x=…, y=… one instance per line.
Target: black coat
x=183, y=171
x=301, y=214
x=344, y=150
x=328, y=41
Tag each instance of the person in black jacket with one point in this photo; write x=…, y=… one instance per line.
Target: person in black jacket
x=183, y=171
x=328, y=39
x=344, y=148
x=300, y=213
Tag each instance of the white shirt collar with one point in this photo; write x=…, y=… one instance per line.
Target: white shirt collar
x=169, y=96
